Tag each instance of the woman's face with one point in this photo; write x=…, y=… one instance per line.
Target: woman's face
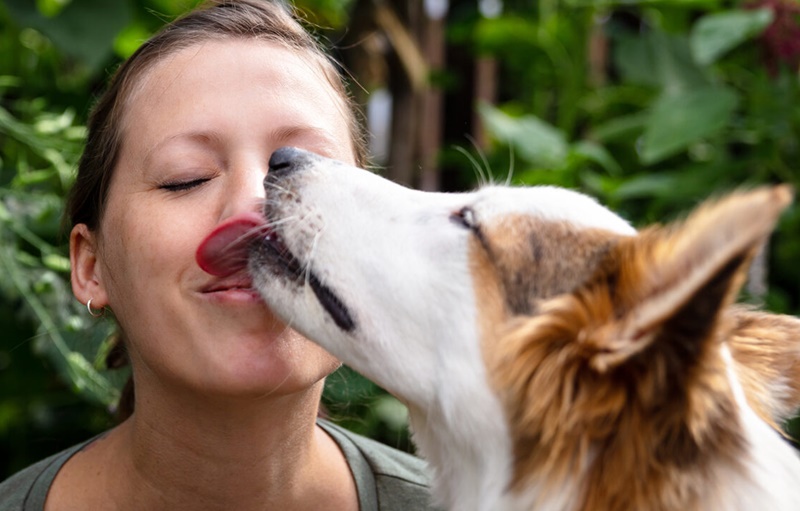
x=198, y=135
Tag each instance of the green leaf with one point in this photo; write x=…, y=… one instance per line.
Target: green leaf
x=659, y=60
x=647, y=186
x=51, y=8
x=87, y=380
x=56, y=262
x=533, y=139
x=84, y=29
x=170, y=8
x=130, y=38
x=620, y=128
x=715, y=34
x=32, y=177
x=7, y=81
x=597, y=154
x=677, y=121
x=391, y=411
x=506, y=33
x=347, y=386
x=5, y=215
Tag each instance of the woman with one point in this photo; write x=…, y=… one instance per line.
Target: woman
x=226, y=396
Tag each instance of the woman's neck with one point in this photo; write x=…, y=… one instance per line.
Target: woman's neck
x=221, y=453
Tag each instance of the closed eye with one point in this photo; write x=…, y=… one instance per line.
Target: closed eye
x=180, y=186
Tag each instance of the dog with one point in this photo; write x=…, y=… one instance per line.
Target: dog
x=551, y=357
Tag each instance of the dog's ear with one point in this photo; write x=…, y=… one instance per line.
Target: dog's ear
x=766, y=352
x=672, y=282
x=631, y=340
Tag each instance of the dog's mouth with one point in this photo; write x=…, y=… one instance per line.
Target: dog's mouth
x=279, y=258
x=233, y=243
x=276, y=256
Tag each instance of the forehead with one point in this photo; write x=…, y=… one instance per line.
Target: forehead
x=214, y=82
x=548, y=204
x=227, y=58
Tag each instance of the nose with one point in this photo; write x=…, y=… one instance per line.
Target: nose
x=244, y=189
x=288, y=159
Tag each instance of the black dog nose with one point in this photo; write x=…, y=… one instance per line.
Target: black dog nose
x=286, y=159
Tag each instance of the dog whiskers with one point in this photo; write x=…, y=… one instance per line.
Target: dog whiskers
x=487, y=169
x=309, y=257
x=275, y=223
x=262, y=229
x=481, y=167
x=511, y=169
x=275, y=186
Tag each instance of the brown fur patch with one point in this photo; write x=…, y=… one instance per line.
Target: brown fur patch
x=532, y=259
x=649, y=428
x=605, y=351
x=766, y=348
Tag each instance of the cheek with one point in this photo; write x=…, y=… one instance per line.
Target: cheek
x=141, y=251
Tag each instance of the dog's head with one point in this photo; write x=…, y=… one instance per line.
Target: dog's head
x=398, y=283
x=592, y=341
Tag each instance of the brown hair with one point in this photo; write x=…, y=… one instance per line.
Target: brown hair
x=266, y=20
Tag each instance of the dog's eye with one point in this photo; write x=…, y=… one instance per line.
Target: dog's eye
x=465, y=217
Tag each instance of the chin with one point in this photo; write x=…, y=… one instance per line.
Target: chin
x=280, y=369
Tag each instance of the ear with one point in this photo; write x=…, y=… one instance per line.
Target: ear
x=766, y=353
x=86, y=278
x=672, y=282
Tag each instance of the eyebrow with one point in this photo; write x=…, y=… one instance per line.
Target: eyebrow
x=209, y=138
x=281, y=135
x=286, y=134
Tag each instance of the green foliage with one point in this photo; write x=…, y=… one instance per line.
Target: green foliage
x=53, y=57
x=677, y=121
x=44, y=93
x=325, y=14
x=40, y=149
x=684, y=102
x=683, y=106
x=686, y=107
x=363, y=407
x=82, y=29
x=715, y=34
x=545, y=148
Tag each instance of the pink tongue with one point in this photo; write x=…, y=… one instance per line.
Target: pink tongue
x=224, y=251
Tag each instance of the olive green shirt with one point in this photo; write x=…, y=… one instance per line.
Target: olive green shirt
x=386, y=479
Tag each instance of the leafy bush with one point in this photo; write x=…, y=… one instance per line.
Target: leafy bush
x=651, y=106
x=693, y=98
x=687, y=108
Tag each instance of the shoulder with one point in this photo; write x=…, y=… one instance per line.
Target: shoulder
x=27, y=489
x=402, y=481
x=384, y=460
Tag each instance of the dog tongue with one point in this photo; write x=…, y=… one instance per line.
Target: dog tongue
x=224, y=251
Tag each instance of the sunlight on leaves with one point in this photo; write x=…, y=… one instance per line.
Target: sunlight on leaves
x=677, y=121
x=715, y=34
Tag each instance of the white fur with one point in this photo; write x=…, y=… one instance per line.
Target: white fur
x=399, y=263
x=549, y=203
x=772, y=477
x=447, y=393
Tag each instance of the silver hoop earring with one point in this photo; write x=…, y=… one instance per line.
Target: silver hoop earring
x=93, y=313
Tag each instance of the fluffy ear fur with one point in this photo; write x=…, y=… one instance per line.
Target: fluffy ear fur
x=766, y=350
x=629, y=363
x=671, y=283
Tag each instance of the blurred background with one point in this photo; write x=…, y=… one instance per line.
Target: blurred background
x=650, y=106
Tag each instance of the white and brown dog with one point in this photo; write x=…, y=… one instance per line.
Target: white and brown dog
x=551, y=357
